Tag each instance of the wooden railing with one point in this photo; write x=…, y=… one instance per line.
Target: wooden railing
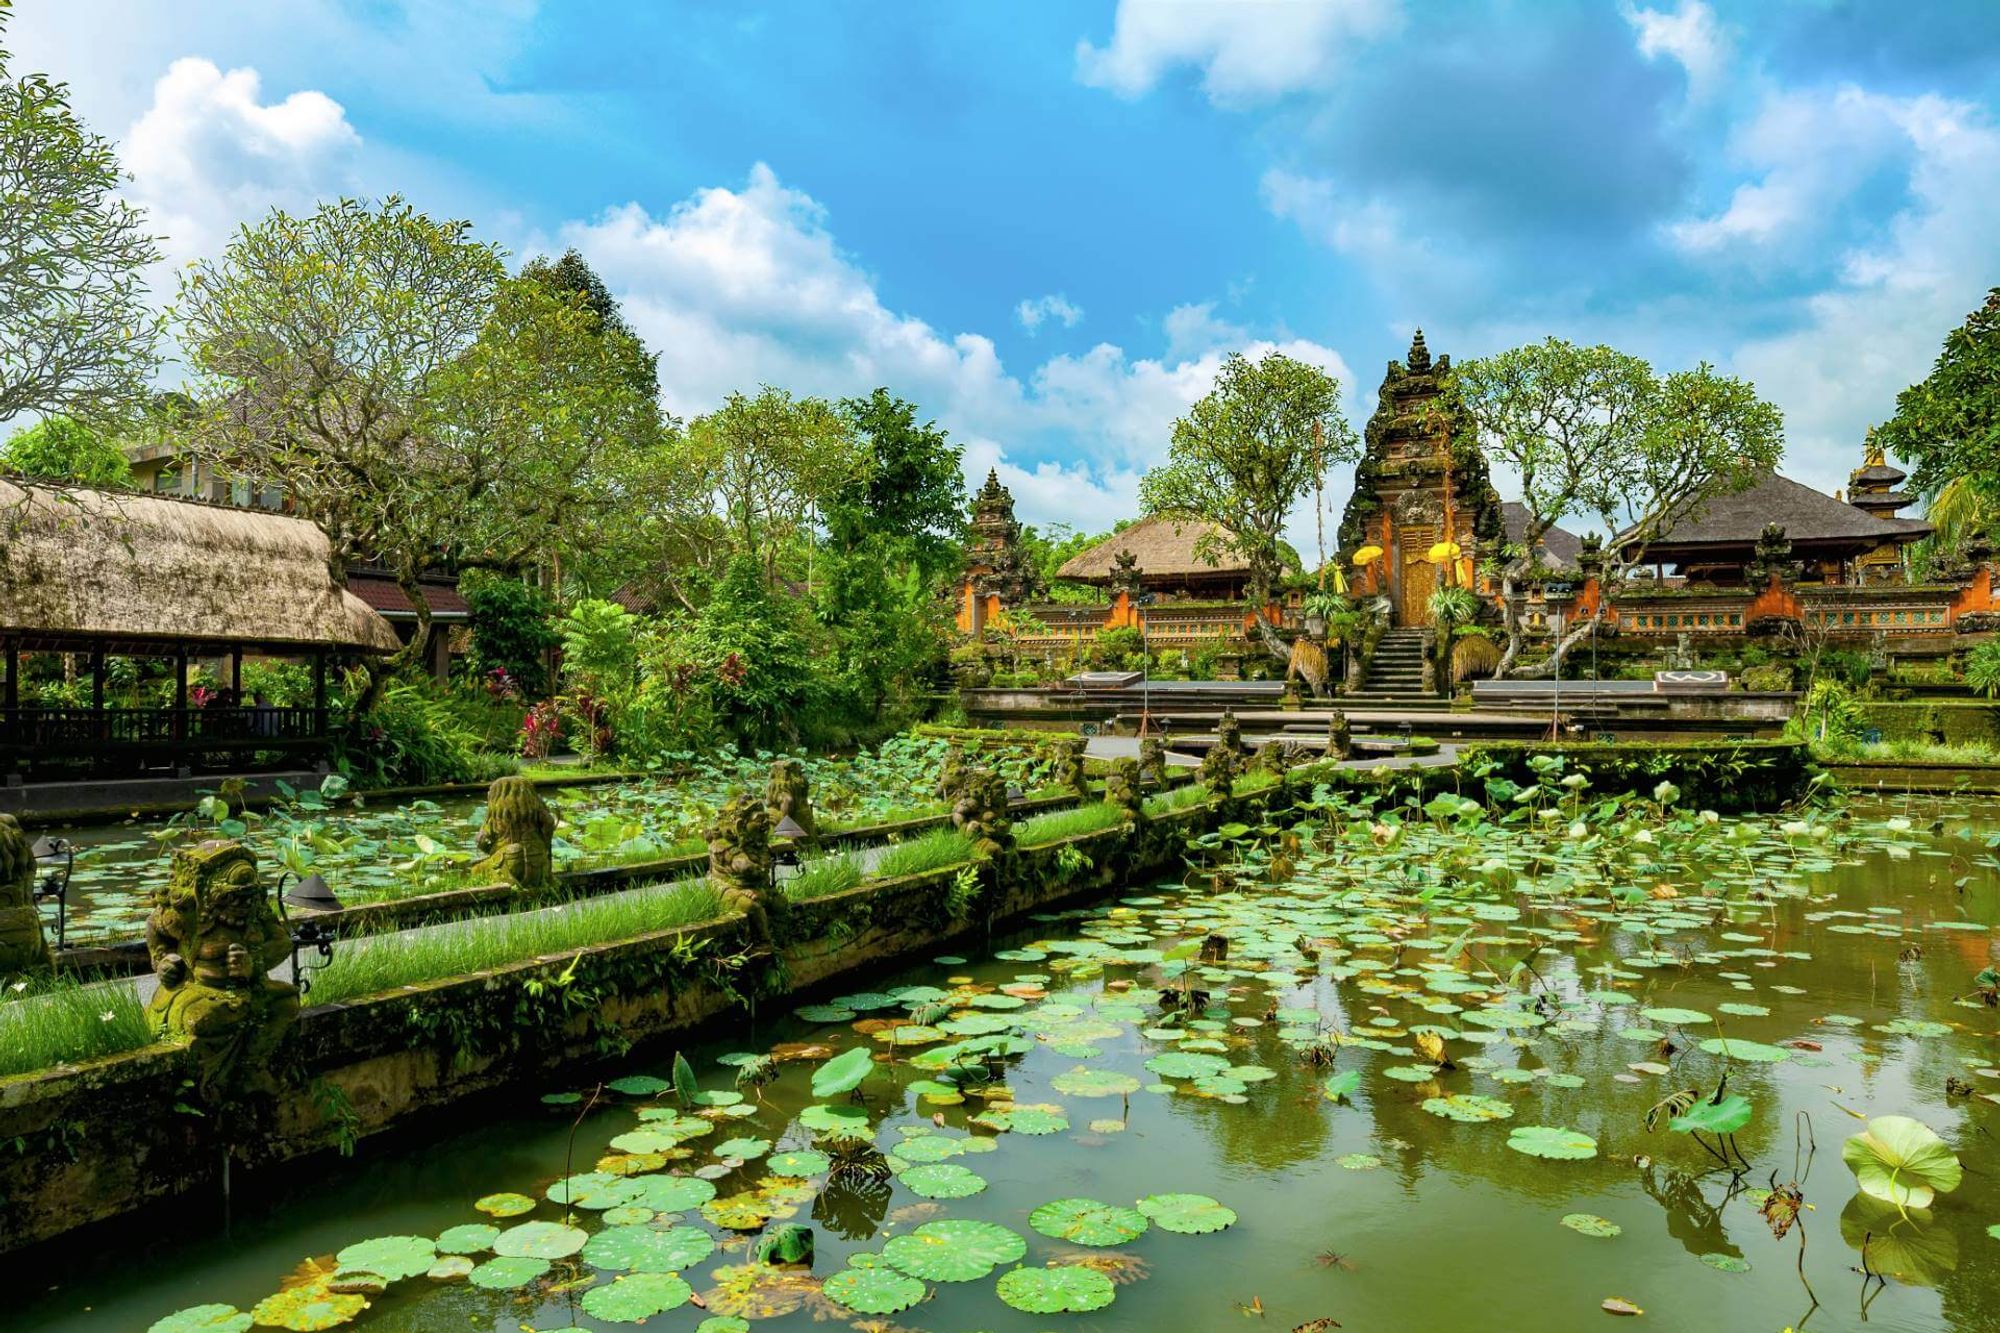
x=64, y=732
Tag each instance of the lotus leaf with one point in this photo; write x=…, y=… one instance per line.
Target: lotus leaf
x=1901, y=1161
x=1088, y=1222
x=308, y=1308
x=1726, y=1263
x=1753, y=1052
x=744, y=1148
x=636, y=1297
x=1358, y=1161
x=673, y=1194
x=1085, y=1082
x=1724, y=1117
x=643, y=1249
x=505, y=1205
x=723, y=1323
x=203, y=1319
x=1590, y=1224
x=595, y=1190
x=508, y=1271
x=1186, y=1214
x=843, y=1073
x=926, y=1148
x=954, y=1250
x=944, y=1180
x=1468, y=1107
x=738, y=1212
x=1056, y=1290
x=1678, y=1018
x=451, y=1268
x=1030, y=1120
x=539, y=1240
x=393, y=1257
x=1553, y=1142
x=799, y=1163
x=1341, y=1086
x=639, y=1085
x=470, y=1238
x=873, y=1290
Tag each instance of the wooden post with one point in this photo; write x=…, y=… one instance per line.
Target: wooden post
x=319, y=694
x=236, y=673
x=11, y=698
x=180, y=697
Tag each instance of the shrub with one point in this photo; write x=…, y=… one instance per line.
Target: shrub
x=600, y=647
x=510, y=631
x=1982, y=668
x=1473, y=657
x=412, y=738
x=1776, y=676
x=1117, y=649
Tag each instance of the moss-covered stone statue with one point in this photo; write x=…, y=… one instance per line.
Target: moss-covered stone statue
x=951, y=769
x=1339, y=736
x=1274, y=758
x=739, y=865
x=1121, y=788
x=979, y=811
x=23, y=947
x=787, y=796
x=214, y=937
x=1229, y=734
x=1218, y=771
x=1069, y=765
x=1153, y=760
x=517, y=833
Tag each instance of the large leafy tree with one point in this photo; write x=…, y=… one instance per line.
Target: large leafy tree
x=573, y=274
x=908, y=489
x=65, y=450
x=1948, y=424
x=1560, y=417
x=1249, y=451
x=76, y=338
x=771, y=463
x=423, y=408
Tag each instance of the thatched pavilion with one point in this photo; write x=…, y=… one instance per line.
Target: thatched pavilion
x=1185, y=558
x=109, y=573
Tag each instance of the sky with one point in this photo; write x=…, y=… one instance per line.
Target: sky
x=1046, y=222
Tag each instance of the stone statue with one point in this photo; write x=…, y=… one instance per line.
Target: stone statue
x=1069, y=765
x=1339, y=736
x=1153, y=760
x=23, y=948
x=516, y=834
x=1218, y=771
x=1274, y=758
x=1229, y=734
x=214, y=937
x=979, y=811
x=949, y=771
x=739, y=864
x=787, y=796
x=1121, y=788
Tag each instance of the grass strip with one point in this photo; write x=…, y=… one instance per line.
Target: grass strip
x=63, y=1019
x=1055, y=825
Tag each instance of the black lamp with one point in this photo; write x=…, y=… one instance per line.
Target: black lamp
x=786, y=855
x=1016, y=797
x=312, y=933
x=55, y=880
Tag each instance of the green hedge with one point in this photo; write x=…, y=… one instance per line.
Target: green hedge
x=1920, y=720
x=1728, y=777
x=993, y=738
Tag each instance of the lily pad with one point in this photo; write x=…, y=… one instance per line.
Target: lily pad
x=470, y=1238
x=393, y=1257
x=639, y=1085
x=801, y=1163
x=636, y=1297
x=1590, y=1224
x=1088, y=1222
x=203, y=1319
x=644, y=1249
x=1468, y=1107
x=1751, y=1052
x=1553, y=1142
x=1064, y=1288
x=1901, y=1161
x=505, y=1205
x=1086, y=1082
x=1186, y=1214
x=308, y=1309
x=954, y=1250
x=673, y=1194
x=943, y=1180
x=842, y=1074
x=878, y=1289
x=507, y=1272
x=539, y=1240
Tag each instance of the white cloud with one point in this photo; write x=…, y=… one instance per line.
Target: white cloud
x=1689, y=36
x=1813, y=150
x=1248, y=50
x=1194, y=329
x=209, y=154
x=1878, y=327
x=736, y=287
x=1055, y=306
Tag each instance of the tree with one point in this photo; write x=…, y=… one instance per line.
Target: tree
x=770, y=463
x=75, y=336
x=65, y=450
x=910, y=488
x=572, y=274
x=1246, y=453
x=420, y=406
x=1948, y=424
x=1560, y=416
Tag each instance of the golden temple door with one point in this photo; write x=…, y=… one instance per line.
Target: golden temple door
x=1413, y=600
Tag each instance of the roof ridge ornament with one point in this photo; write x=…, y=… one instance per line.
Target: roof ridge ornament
x=1420, y=355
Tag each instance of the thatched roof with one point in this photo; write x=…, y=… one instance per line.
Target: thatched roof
x=135, y=572
x=1165, y=548
x=1560, y=547
x=1809, y=518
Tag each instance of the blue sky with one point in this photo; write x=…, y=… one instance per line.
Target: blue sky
x=1047, y=222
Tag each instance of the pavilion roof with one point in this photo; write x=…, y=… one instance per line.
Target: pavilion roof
x=1560, y=546
x=1809, y=518
x=1165, y=546
x=139, y=572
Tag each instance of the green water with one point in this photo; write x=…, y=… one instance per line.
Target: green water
x=1373, y=1212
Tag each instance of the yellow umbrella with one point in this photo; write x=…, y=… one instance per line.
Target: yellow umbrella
x=1367, y=555
x=1445, y=552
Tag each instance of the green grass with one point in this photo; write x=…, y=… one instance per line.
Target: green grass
x=1257, y=779
x=1056, y=825
x=1177, y=798
x=62, y=1020
x=933, y=851
x=827, y=874
x=373, y=964
x=862, y=823
x=1964, y=752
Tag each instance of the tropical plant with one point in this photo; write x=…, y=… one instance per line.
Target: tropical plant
x=1948, y=424
x=1982, y=668
x=511, y=632
x=1901, y=1161
x=65, y=450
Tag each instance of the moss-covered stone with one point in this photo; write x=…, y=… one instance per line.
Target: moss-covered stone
x=518, y=834
x=23, y=947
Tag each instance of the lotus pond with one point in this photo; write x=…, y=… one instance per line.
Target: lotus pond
x=1445, y=1074
x=370, y=850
